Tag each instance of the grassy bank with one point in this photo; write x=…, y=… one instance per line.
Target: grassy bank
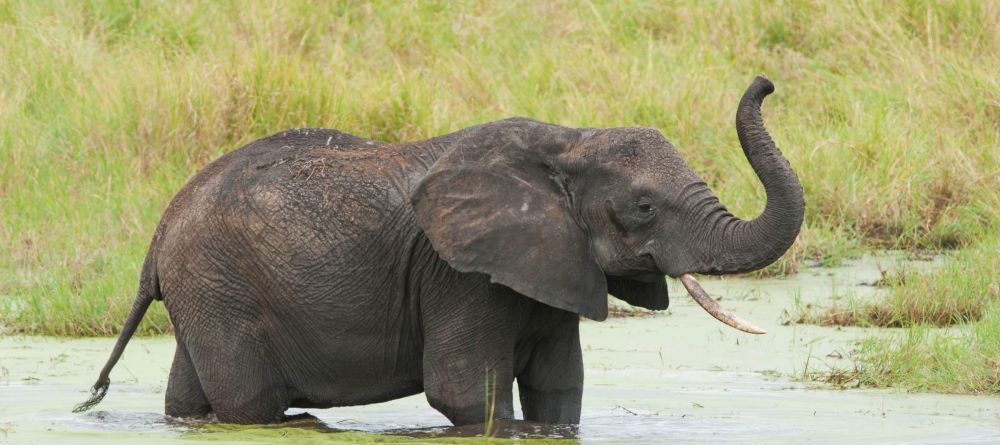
x=888, y=112
x=963, y=295
x=960, y=291
x=963, y=360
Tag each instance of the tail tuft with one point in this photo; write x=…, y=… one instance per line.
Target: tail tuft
x=97, y=394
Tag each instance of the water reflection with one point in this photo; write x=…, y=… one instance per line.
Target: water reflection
x=190, y=427
x=505, y=429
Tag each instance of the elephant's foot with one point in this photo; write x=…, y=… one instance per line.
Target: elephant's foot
x=551, y=407
x=475, y=414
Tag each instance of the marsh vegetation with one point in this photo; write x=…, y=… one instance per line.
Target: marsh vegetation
x=950, y=320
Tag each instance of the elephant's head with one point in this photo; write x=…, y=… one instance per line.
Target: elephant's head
x=565, y=215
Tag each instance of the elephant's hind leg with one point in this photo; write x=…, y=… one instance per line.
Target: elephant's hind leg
x=239, y=379
x=185, y=397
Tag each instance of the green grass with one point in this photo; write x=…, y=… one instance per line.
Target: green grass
x=888, y=112
x=965, y=293
x=963, y=360
x=960, y=291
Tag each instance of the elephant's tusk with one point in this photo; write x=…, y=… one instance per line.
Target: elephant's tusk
x=709, y=305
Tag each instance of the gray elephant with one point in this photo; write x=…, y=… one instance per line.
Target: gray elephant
x=315, y=269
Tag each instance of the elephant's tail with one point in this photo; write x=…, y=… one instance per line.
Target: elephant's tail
x=149, y=290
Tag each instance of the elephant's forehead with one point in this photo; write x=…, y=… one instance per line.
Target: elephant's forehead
x=633, y=146
x=655, y=166
x=642, y=157
x=663, y=179
x=662, y=170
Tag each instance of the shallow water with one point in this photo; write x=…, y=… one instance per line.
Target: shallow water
x=677, y=377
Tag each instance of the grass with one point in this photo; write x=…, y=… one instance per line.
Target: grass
x=960, y=291
x=489, y=405
x=964, y=293
x=964, y=359
x=888, y=111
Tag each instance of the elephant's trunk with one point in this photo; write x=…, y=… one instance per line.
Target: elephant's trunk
x=731, y=245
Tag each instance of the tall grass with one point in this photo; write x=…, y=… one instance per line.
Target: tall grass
x=888, y=111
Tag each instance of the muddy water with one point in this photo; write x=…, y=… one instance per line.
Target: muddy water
x=677, y=377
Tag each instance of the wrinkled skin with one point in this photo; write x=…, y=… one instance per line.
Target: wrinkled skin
x=313, y=268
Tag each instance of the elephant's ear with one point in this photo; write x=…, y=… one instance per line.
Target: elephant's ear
x=495, y=203
x=651, y=296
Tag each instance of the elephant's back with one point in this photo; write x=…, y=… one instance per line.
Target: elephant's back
x=288, y=211
x=230, y=172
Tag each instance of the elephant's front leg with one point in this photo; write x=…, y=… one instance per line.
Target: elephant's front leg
x=551, y=385
x=469, y=342
x=465, y=384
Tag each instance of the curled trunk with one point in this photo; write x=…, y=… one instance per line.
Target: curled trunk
x=732, y=245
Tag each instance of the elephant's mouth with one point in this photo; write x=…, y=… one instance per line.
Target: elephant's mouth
x=644, y=277
x=712, y=307
x=694, y=289
x=641, y=267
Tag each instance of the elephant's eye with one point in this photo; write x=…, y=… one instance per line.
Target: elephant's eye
x=645, y=205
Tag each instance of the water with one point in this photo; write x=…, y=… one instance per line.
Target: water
x=678, y=377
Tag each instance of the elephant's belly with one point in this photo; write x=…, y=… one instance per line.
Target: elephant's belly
x=355, y=377
x=350, y=359
x=342, y=396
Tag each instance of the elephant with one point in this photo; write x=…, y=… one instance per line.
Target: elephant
x=316, y=269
